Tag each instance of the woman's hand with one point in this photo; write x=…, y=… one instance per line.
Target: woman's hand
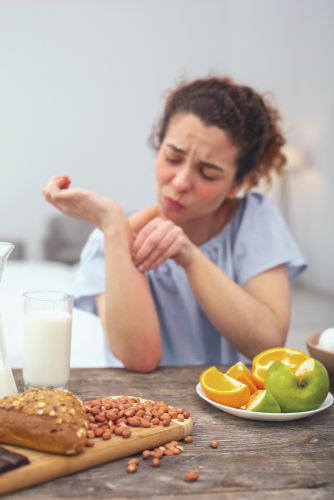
x=158, y=241
x=80, y=203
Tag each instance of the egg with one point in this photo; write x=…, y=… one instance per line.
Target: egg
x=326, y=340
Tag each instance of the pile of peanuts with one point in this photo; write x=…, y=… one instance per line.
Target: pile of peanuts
x=117, y=415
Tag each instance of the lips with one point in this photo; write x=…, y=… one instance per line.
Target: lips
x=173, y=204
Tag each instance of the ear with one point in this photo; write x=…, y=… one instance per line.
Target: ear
x=237, y=187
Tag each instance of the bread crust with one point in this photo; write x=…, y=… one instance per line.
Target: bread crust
x=45, y=420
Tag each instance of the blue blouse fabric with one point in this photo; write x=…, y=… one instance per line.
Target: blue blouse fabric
x=255, y=240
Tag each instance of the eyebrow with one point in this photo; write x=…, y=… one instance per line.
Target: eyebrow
x=204, y=163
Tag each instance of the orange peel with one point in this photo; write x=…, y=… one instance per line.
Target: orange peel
x=223, y=389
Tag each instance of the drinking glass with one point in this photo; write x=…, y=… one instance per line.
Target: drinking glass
x=47, y=339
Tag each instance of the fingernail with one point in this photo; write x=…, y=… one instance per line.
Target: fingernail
x=141, y=267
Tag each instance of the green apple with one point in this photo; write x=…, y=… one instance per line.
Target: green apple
x=305, y=390
x=264, y=402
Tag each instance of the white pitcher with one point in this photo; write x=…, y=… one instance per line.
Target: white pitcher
x=7, y=382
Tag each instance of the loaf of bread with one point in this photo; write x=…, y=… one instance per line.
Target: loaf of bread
x=44, y=419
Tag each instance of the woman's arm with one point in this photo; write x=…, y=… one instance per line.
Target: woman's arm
x=252, y=318
x=126, y=309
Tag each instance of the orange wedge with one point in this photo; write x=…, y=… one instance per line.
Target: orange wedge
x=241, y=373
x=223, y=389
x=290, y=357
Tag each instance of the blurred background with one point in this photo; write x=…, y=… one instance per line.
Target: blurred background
x=82, y=82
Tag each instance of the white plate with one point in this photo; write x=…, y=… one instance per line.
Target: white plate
x=265, y=417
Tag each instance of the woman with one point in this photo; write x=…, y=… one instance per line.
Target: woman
x=203, y=276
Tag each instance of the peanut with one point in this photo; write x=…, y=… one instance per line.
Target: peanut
x=191, y=476
x=134, y=422
x=90, y=434
x=164, y=416
x=120, y=420
x=94, y=411
x=126, y=433
x=157, y=454
x=188, y=439
x=172, y=414
x=186, y=414
x=130, y=413
x=146, y=454
x=106, y=435
x=132, y=468
x=214, y=444
x=180, y=417
x=169, y=453
x=90, y=443
x=145, y=423
x=98, y=432
x=119, y=430
x=155, y=462
x=133, y=461
x=100, y=419
x=166, y=422
x=155, y=421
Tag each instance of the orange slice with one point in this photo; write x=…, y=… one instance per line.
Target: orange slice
x=223, y=389
x=241, y=373
x=290, y=357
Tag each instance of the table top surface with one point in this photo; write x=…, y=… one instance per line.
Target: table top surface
x=254, y=460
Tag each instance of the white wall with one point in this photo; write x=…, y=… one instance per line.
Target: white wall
x=81, y=84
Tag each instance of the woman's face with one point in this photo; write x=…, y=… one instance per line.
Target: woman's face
x=195, y=169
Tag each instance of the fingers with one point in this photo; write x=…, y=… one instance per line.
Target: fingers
x=156, y=257
x=164, y=250
x=55, y=184
x=155, y=236
x=158, y=241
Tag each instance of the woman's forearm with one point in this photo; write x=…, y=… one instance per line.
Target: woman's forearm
x=130, y=318
x=251, y=322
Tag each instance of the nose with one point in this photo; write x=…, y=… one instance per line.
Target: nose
x=182, y=180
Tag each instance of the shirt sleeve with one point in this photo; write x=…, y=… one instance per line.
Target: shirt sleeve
x=264, y=241
x=90, y=278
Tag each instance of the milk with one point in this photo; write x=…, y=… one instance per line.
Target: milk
x=47, y=348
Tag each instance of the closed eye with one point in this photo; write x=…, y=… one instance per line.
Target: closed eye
x=172, y=160
x=207, y=177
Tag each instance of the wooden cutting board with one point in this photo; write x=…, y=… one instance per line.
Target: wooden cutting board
x=46, y=466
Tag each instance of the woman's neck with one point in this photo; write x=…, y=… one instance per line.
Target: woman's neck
x=203, y=229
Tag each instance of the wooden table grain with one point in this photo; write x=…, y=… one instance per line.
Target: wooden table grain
x=254, y=460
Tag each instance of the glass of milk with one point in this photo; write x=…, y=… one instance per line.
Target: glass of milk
x=47, y=339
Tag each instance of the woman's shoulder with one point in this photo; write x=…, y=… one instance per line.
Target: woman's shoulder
x=139, y=219
x=255, y=202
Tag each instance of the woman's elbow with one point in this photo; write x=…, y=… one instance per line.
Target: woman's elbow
x=147, y=364
x=145, y=361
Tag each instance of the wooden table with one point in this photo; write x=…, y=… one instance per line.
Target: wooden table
x=254, y=460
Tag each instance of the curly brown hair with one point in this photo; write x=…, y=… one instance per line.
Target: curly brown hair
x=249, y=120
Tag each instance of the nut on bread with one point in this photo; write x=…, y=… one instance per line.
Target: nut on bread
x=44, y=419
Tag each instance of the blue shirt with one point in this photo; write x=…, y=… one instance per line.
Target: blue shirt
x=255, y=240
